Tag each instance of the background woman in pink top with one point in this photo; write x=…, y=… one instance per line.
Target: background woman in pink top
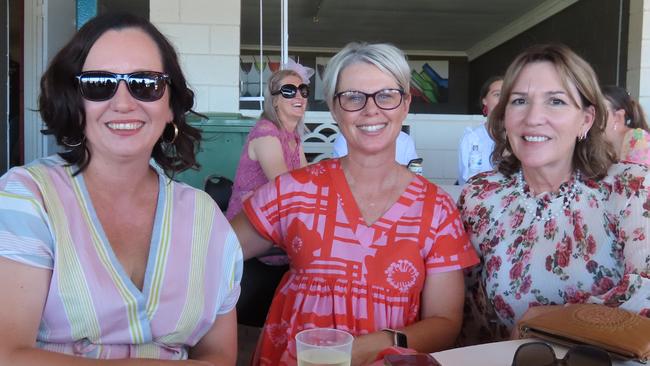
x=272, y=147
x=627, y=128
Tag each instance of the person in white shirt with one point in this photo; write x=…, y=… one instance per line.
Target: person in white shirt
x=404, y=148
x=476, y=145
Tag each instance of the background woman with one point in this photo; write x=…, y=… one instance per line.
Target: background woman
x=272, y=147
x=477, y=137
x=372, y=246
x=627, y=128
x=558, y=222
x=102, y=255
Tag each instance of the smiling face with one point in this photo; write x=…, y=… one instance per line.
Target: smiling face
x=543, y=121
x=492, y=97
x=124, y=127
x=370, y=130
x=290, y=109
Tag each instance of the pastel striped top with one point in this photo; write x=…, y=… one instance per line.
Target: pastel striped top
x=93, y=309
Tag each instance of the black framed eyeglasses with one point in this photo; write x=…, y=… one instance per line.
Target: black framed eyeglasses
x=145, y=86
x=289, y=91
x=541, y=354
x=385, y=99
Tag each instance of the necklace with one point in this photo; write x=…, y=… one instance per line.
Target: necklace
x=567, y=193
x=373, y=204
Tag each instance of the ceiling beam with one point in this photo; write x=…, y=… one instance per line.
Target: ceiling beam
x=523, y=23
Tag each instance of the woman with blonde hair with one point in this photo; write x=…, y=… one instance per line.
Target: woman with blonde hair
x=374, y=249
x=273, y=147
x=559, y=221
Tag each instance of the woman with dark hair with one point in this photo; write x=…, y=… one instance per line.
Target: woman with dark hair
x=476, y=145
x=627, y=129
x=558, y=221
x=102, y=255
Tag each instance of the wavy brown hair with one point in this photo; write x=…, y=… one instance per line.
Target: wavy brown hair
x=592, y=156
x=620, y=99
x=62, y=109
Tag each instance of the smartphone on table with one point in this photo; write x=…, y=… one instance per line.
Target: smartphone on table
x=418, y=359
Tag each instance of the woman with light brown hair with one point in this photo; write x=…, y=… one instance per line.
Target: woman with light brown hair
x=559, y=221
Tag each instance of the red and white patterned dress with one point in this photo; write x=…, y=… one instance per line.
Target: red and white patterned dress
x=345, y=274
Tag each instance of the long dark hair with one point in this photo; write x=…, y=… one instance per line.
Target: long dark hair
x=620, y=99
x=62, y=109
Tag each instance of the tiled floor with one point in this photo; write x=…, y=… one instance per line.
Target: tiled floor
x=246, y=340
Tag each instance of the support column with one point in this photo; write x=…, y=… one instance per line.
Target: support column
x=638, y=60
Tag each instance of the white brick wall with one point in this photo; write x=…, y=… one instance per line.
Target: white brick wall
x=206, y=36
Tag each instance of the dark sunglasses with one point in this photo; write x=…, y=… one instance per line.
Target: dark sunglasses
x=145, y=86
x=289, y=91
x=541, y=354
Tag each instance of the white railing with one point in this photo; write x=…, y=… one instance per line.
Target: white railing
x=436, y=139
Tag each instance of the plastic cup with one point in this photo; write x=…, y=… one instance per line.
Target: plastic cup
x=324, y=347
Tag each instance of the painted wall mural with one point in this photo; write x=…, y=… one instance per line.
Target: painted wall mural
x=429, y=80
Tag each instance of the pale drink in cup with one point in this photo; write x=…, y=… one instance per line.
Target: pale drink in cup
x=324, y=347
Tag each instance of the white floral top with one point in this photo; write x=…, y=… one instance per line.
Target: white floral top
x=552, y=249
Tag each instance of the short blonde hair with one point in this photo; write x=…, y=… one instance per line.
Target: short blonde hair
x=592, y=156
x=384, y=56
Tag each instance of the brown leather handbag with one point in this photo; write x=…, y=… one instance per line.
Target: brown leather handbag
x=621, y=333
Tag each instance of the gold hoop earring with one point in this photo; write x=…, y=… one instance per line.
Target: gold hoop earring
x=171, y=142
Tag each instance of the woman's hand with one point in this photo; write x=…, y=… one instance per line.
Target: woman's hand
x=531, y=313
x=441, y=312
x=365, y=348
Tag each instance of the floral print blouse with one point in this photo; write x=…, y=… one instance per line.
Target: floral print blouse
x=636, y=147
x=589, y=242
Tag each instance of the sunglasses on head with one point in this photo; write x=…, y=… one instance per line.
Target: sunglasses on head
x=541, y=354
x=289, y=91
x=145, y=86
